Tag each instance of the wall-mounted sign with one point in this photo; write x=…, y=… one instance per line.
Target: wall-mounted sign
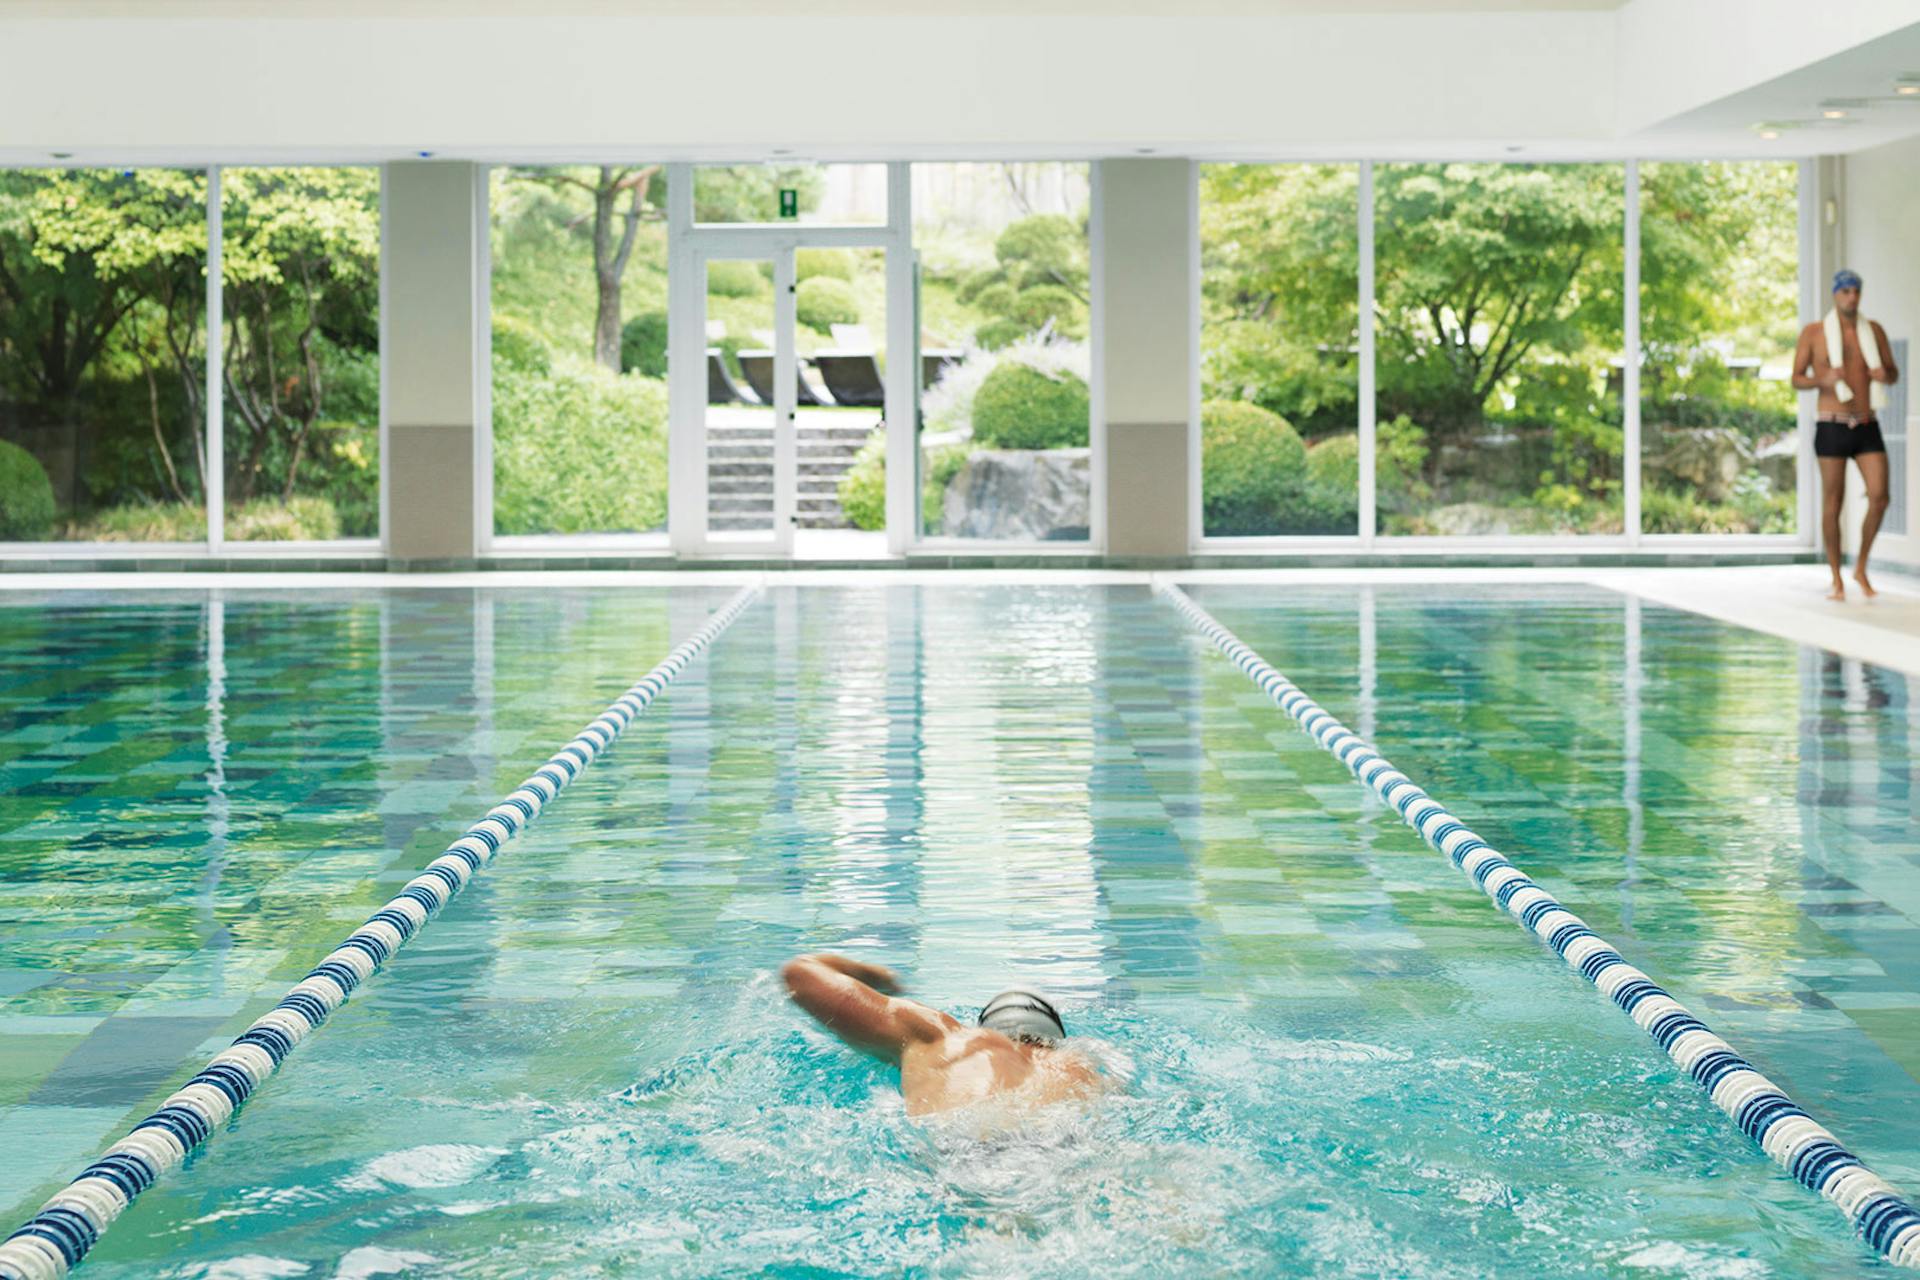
x=789, y=202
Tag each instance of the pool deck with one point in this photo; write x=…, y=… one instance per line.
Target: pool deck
x=1786, y=600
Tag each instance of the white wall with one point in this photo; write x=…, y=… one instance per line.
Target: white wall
x=1879, y=212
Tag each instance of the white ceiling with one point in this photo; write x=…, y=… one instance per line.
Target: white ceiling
x=228, y=81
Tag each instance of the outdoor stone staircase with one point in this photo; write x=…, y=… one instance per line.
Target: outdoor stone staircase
x=740, y=475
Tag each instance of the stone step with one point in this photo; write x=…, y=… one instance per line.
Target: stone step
x=740, y=504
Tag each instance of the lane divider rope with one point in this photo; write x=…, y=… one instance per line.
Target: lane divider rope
x=1761, y=1109
x=54, y=1240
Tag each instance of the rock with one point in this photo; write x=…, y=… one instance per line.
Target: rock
x=1707, y=460
x=1463, y=519
x=1024, y=495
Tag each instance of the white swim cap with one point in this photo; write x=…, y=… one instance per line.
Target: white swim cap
x=1023, y=1014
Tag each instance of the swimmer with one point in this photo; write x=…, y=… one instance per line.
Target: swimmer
x=1013, y=1054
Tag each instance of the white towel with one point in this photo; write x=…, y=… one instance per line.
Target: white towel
x=1869, y=347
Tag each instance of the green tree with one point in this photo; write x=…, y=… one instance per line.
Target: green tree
x=300, y=261
x=1481, y=269
x=102, y=274
x=621, y=197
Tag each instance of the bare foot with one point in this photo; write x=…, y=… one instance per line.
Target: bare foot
x=1866, y=588
x=1839, y=591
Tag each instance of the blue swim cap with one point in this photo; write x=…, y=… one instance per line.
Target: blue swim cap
x=1845, y=278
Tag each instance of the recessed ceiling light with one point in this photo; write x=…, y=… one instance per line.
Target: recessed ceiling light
x=1834, y=113
x=1769, y=134
x=61, y=155
x=1908, y=90
x=1516, y=147
x=781, y=151
x=1143, y=151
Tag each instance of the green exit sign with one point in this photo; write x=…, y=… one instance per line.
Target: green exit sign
x=789, y=202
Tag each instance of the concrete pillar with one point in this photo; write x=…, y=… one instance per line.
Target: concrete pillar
x=1145, y=265
x=435, y=467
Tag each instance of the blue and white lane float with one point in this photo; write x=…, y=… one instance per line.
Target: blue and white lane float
x=1761, y=1108
x=56, y=1238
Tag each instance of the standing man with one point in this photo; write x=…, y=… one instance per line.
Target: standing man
x=1848, y=360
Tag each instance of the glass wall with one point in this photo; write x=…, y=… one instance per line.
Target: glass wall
x=1005, y=423
x=811, y=194
x=300, y=353
x=579, y=295
x=1719, y=316
x=1499, y=330
x=1279, y=349
x=102, y=355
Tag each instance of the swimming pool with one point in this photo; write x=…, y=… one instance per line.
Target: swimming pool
x=1339, y=1059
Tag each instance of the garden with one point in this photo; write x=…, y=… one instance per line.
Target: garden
x=1498, y=316
x=103, y=354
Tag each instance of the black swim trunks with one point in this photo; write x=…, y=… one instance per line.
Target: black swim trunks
x=1833, y=439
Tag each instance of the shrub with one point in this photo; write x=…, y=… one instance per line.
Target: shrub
x=26, y=496
x=835, y=263
x=824, y=301
x=937, y=471
x=1253, y=470
x=996, y=299
x=1331, y=502
x=142, y=522
x=728, y=278
x=999, y=334
x=1018, y=407
x=300, y=519
x=1047, y=304
x=583, y=450
x=643, y=344
x=863, y=489
x=518, y=345
x=1043, y=248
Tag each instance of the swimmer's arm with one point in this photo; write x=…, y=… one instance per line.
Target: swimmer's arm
x=1803, y=362
x=830, y=988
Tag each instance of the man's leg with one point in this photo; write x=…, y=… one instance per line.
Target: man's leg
x=1873, y=470
x=1833, y=493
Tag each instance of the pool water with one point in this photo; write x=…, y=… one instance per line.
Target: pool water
x=1333, y=1056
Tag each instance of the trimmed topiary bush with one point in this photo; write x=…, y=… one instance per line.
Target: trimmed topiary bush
x=1253, y=470
x=1331, y=503
x=518, y=345
x=643, y=344
x=1047, y=304
x=836, y=263
x=26, y=496
x=999, y=334
x=825, y=301
x=1021, y=408
x=727, y=278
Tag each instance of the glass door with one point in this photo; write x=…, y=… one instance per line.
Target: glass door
x=748, y=412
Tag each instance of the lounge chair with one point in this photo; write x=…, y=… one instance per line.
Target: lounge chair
x=933, y=362
x=758, y=366
x=852, y=378
x=721, y=388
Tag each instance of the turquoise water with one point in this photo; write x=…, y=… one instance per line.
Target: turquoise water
x=1335, y=1057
